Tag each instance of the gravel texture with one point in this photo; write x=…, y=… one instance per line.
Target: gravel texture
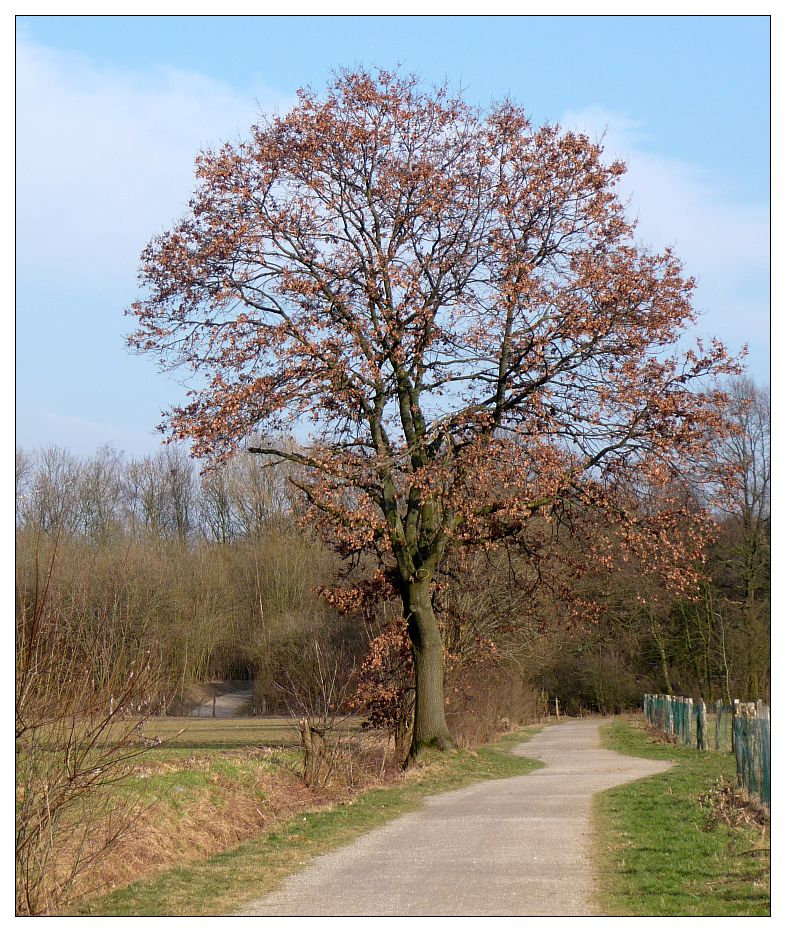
x=515, y=847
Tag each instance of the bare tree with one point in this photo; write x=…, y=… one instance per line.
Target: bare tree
x=52, y=500
x=216, y=512
x=99, y=494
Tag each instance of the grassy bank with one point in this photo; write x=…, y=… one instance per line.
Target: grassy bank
x=662, y=850
x=220, y=884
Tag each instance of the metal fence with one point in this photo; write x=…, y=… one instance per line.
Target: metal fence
x=742, y=728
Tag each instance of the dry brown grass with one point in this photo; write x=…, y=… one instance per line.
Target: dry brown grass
x=732, y=805
x=486, y=701
x=215, y=784
x=207, y=803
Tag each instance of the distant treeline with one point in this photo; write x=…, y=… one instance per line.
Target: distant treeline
x=212, y=572
x=216, y=574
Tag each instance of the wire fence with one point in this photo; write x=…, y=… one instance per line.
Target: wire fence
x=742, y=728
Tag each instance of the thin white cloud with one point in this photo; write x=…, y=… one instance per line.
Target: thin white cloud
x=723, y=242
x=105, y=157
x=82, y=436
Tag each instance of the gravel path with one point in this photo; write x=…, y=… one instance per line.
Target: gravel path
x=515, y=847
x=226, y=705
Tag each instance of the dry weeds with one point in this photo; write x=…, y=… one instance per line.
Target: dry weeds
x=187, y=823
x=731, y=805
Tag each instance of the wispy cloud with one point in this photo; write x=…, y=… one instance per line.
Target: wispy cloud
x=104, y=161
x=723, y=241
x=105, y=156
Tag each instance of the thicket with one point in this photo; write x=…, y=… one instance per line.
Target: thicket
x=713, y=643
x=213, y=574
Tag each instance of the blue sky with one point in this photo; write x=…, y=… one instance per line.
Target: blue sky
x=111, y=111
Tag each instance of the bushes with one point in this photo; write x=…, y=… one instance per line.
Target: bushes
x=82, y=690
x=487, y=699
x=223, y=611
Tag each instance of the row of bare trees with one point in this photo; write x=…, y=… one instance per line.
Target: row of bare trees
x=160, y=495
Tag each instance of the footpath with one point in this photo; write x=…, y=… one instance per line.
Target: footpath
x=227, y=705
x=516, y=847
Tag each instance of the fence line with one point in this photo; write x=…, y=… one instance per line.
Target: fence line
x=742, y=728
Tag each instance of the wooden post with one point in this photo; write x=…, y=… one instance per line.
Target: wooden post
x=701, y=728
x=735, y=714
x=718, y=723
x=214, y=706
x=556, y=706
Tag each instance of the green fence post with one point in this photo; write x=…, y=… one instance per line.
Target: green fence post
x=754, y=751
x=682, y=706
x=736, y=727
x=764, y=725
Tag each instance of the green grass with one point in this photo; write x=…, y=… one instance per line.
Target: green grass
x=660, y=852
x=189, y=782
x=223, y=883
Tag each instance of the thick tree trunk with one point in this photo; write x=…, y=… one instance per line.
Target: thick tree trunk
x=430, y=727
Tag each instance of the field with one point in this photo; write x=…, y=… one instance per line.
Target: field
x=192, y=733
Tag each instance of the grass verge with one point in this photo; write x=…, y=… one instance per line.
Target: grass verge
x=221, y=884
x=662, y=851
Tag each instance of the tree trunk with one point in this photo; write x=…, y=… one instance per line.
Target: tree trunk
x=661, y=645
x=430, y=728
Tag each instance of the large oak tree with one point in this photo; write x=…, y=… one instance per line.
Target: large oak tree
x=455, y=303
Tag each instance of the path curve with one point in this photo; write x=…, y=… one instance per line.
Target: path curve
x=513, y=847
x=227, y=705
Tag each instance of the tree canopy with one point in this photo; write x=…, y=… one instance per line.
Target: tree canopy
x=455, y=304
